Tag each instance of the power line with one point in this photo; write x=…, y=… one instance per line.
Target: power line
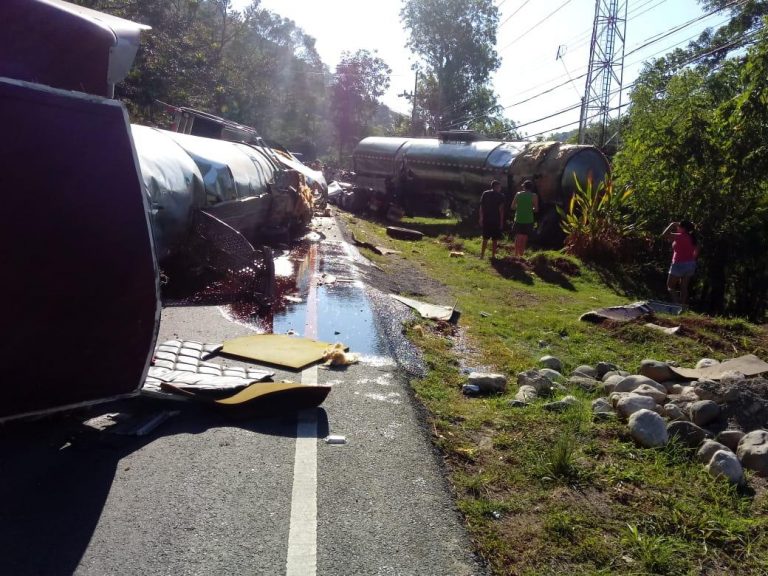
x=508, y=18
x=539, y=23
x=742, y=40
x=647, y=42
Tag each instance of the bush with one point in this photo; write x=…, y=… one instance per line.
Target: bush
x=599, y=226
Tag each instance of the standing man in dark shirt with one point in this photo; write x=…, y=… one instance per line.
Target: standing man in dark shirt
x=492, y=217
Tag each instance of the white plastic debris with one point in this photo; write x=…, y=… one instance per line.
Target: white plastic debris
x=336, y=439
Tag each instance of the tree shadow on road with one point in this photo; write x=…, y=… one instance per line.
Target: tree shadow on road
x=57, y=476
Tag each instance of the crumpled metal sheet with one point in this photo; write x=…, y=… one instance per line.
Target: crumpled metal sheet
x=224, y=249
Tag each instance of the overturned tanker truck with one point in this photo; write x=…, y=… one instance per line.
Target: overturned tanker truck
x=94, y=204
x=212, y=201
x=451, y=171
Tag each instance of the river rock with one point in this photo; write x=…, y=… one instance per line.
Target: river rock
x=609, y=384
x=585, y=370
x=676, y=389
x=753, y=451
x=708, y=449
x=561, y=405
x=526, y=394
x=708, y=390
x=688, y=394
x=648, y=429
x=517, y=404
x=732, y=377
x=552, y=375
x=629, y=383
x=646, y=390
x=628, y=405
x=601, y=405
x=725, y=464
x=730, y=438
x=541, y=384
x=673, y=412
x=604, y=367
x=706, y=363
x=687, y=432
x=552, y=363
x=586, y=384
x=655, y=370
x=488, y=383
x=703, y=412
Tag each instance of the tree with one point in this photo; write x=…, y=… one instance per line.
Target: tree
x=361, y=79
x=454, y=41
x=695, y=148
x=713, y=46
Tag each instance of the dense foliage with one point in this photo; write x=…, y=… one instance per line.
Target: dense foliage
x=695, y=148
x=253, y=67
x=361, y=78
x=454, y=41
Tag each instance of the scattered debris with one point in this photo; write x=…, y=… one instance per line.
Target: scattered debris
x=293, y=299
x=335, y=439
x=127, y=424
x=404, y=233
x=267, y=397
x=337, y=355
x=670, y=331
x=277, y=350
x=425, y=310
x=324, y=279
x=629, y=312
x=470, y=389
x=484, y=314
x=457, y=254
x=488, y=383
x=749, y=365
x=380, y=250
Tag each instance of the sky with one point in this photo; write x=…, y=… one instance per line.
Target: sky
x=530, y=35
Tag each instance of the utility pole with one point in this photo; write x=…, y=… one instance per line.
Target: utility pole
x=605, y=76
x=413, y=111
x=412, y=96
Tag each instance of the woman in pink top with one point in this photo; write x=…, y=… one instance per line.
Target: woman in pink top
x=685, y=250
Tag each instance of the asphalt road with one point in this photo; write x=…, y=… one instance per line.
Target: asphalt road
x=207, y=495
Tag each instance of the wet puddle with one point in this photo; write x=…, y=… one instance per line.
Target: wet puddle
x=343, y=311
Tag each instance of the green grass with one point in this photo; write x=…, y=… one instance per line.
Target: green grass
x=556, y=493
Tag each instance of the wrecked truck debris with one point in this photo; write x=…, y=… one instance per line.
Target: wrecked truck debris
x=425, y=310
x=748, y=365
x=277, y=350
x=263, y=398
x=90, y=338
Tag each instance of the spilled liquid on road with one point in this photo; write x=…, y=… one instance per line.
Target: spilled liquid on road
x=344, y=312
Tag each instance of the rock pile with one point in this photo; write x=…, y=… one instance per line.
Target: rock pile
x=723, y=420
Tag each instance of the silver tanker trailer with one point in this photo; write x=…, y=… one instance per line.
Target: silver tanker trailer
x=430, y=175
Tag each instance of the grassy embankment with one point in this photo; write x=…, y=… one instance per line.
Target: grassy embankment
x=547, y=493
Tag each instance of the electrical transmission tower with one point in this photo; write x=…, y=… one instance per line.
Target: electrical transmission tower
x=602, y=94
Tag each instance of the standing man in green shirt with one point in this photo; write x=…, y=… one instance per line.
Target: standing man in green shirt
x=525, y=204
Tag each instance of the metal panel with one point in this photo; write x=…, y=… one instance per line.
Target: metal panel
x=174, y=187
x=66, y=46
x=80, y=279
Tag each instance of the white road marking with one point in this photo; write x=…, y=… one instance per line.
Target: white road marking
x=302, y=535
